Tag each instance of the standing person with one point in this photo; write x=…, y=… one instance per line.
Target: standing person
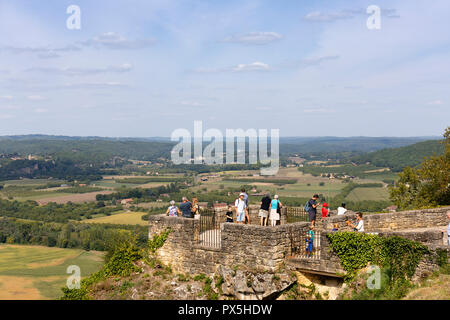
x=448, y=228
x=324, y=210
x=195, y=207
x=229, y=214
x=264, y=209
x=311, y=208
x=173, y=210
x=359, y=227
x=241, y=209
x=341, y=210
x=274, y=215
x=185, y=207
x=309, y=241
x=247, y=217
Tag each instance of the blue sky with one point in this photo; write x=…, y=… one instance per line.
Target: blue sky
x=146, y=68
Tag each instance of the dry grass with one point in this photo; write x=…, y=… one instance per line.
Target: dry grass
x=437, y=288
x=18, y=288
x=120, y=218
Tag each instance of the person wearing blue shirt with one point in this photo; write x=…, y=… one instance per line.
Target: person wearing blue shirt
x=274, y=215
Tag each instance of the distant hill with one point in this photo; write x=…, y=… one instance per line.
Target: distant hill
x=101, y=149
x=94, y=150
x=399, y=158
x=308, y=145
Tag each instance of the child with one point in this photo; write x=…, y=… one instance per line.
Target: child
x=309, y=242
x=324, y=210
x=229, y=214
x=335, y=227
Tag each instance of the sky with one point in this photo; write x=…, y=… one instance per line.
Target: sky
x=140, y=68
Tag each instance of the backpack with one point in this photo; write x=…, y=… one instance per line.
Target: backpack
x=173, y=211
x=307, y=206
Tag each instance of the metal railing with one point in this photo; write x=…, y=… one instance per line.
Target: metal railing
x=209, y=231
x=306, y=244
x=296, y=214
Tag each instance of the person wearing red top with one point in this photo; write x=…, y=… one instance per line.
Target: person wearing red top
x=324, y=210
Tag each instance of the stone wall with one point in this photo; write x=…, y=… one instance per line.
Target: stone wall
x=252, y=246
x=379, y=222
x=266, y=249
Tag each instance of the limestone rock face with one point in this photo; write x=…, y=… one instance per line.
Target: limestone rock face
x=246, y=285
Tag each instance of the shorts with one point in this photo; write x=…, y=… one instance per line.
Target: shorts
x=312, y=215
x=241, y=216
x=274, y=215
x=263, y=213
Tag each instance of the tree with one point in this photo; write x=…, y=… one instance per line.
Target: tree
x=426, y=185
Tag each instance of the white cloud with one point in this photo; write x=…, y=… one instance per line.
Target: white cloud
x=319, y=110
x=435, y=103
x=35, y=98
x=112, y=40
x=242, y=67
x=192, y=103
x=318, y=16
x=327, y=17
x=125, y=67
x=10, y=107
x=44, y=52
x=255, y=66
x=254, y=38
x=6, y=116
x=6, y=97
x=40, y=110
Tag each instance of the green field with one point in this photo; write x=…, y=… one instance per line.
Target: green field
x=120, y=218
x=30, y=182
x=36, y=272
x=360, y=194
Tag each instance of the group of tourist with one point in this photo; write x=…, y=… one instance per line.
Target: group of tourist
x=187, y=208
x=270, y=209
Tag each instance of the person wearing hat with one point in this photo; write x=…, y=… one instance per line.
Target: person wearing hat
x=241, y=209
x=274, y=215
x=324, y=210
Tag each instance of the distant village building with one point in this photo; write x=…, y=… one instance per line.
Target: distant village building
x=82, y=185
x=126, y=201
x=219, y=205
x=392, y=208
x=203, y=204
x=165, y=195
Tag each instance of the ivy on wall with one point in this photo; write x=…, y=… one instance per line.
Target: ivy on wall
x=399, y=256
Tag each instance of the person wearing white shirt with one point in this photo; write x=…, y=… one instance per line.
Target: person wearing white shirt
x=241, y=209
x=341, y=210
x=360, y=223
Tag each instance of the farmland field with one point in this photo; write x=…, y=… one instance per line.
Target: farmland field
x=120, y=218
x=30, y=182
x=60, y=197
x=36, y=272
x=360, y=194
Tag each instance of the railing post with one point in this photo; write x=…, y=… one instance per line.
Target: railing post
x=283, y=218
x=197, y=230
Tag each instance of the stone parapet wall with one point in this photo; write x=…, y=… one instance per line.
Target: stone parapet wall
x=240, y=245
x=268, y=248
x=428, y=237
x=424, y=218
